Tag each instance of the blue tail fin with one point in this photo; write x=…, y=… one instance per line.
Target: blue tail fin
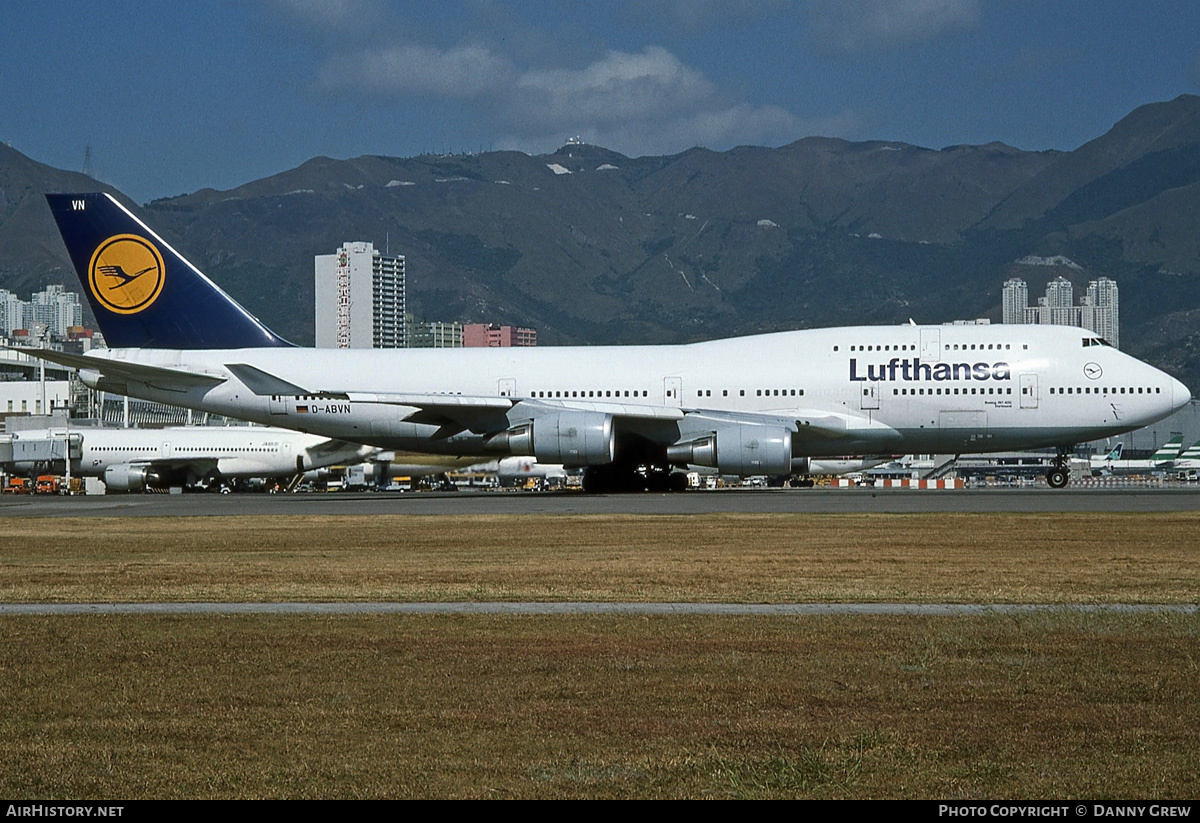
x=143, y=292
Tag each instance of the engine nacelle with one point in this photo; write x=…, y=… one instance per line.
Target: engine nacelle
x=742, y=450
x=126, y=478
x=571, y=438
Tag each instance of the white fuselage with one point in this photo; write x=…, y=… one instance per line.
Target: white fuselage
x=872, y=389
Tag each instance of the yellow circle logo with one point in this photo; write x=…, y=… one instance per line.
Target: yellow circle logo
x=126, y=274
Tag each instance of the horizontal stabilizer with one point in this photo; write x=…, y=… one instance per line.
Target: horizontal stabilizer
x=262, y=383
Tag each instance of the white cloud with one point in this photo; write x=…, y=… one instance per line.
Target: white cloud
x=859, y=25
x=645, y=102
x=462, y=72
x=619, y=87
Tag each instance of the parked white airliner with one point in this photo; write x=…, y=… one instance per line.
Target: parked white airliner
x=747, y=406
x=136, y=459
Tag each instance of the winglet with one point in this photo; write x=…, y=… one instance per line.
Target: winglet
x=143, y=292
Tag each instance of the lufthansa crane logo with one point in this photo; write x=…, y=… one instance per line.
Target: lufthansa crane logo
x=126, y=273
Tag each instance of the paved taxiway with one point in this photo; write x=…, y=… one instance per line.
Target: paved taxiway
x=749, y=501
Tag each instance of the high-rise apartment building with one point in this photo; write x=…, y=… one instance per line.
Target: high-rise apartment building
x=1060, y=299
x=359, y=299
x=12, y=313
x=1105, y=306
x=1015, y=302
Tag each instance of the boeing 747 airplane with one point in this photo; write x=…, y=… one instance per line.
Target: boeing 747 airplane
x=629, y=414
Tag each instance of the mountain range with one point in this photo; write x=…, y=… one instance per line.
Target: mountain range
x=590, y=246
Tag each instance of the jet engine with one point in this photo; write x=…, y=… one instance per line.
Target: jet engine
x=572, y=438
x=127, y=478
x=742, y=450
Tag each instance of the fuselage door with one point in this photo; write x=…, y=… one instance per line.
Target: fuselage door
x=870, y=395
x=165, y=451
x=278, y=404
x=507, y=386
x=1029, y=391
x=672, y=391
x=931, y=344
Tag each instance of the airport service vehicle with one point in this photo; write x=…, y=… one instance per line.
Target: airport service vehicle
x=628, y=414
x=18, y=485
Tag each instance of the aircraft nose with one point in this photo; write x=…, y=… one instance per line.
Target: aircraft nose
x=1181, y=395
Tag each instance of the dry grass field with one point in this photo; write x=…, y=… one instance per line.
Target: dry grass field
x=1054, y=704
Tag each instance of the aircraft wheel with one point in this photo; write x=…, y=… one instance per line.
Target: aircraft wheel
x=1057, y=478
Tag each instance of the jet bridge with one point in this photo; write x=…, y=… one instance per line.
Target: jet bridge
x=20, y=453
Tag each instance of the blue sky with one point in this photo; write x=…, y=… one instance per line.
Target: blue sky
x=173, y=97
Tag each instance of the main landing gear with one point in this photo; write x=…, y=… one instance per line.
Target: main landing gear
x=1059, y=474
x=625, y=477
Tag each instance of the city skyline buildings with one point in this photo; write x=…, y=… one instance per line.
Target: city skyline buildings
x=1098, y=309
x=54, y=308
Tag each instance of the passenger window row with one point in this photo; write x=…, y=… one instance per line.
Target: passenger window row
x=1105, y=390
x=922, y=391
x=593, y=393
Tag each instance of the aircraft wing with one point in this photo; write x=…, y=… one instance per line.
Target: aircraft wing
x=157, y=376
x=482, y=414
x=451, y=413
x=805, y=424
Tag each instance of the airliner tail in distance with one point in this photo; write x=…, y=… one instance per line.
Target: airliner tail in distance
x=633, y=417
x=144, y=293
x=1190, y=458
x=1164, y=459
